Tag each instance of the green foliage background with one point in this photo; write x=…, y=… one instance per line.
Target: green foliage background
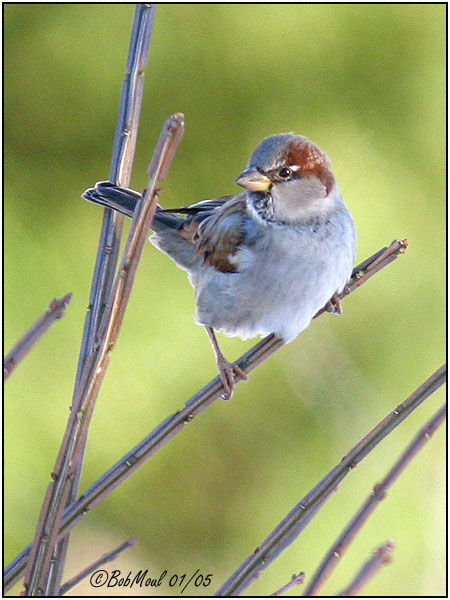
x=365, y=82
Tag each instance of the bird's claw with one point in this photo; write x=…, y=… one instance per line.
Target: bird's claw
x=334, y=305
x=229, y=374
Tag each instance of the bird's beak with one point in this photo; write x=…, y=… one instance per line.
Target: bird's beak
x=254, y=181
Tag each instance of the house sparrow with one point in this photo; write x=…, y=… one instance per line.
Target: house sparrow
x=265, y=260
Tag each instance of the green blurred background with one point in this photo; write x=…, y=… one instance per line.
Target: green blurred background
x=366, y=83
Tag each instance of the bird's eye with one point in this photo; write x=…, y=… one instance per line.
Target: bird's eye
x=285, y=172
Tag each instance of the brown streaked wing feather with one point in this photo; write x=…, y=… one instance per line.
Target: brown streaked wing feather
x=217, y=232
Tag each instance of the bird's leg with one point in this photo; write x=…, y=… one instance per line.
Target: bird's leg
x=227, y=371
x=334, y=305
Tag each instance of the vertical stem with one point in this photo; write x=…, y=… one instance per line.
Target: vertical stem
x=120, y=173
x=51, y=569
x=46, y=538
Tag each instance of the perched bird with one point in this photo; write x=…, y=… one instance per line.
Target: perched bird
x=265, y=260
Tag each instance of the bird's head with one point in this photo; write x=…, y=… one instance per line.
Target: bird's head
x=289, y=180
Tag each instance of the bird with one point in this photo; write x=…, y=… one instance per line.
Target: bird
x=263, y=261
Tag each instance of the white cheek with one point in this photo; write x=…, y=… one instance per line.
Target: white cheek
x=299, y=200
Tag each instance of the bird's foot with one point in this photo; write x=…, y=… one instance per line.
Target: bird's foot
x=229, y=374
x=334, y=305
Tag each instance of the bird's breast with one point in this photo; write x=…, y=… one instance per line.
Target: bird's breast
x=284, y=276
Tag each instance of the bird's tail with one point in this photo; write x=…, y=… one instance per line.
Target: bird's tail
x=111, y=196
x=125, y=201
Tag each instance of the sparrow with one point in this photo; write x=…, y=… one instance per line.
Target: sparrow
x=263, y=261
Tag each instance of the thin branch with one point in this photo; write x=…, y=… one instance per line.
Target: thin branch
x=169, y=140
x=379, y=493
x=175, y=423
x=47, y=532
x=296, y=580
x=55, y=310
x=381, y=556
x=108, y=557
x=109, y=243
x=294, y=523
x=120, y=173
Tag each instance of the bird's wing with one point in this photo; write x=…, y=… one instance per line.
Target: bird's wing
x=202, y=208
x=216, y=229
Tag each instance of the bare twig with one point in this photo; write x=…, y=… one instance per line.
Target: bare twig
x=379, y=493
x=55, y=310
x=292, y=525
x=175, y=423
x=109, y=244
x=108, y=557
x=296, y=580
x=120, y=173
x=380, y=557
x=73, y=443
x=168, y=142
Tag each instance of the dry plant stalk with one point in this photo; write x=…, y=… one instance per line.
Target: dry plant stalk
x=379, y=492
x=47, y=533
x=175, y=423
x=109, y=243
x=120, y=173
x=107, y=254
x=381, y=556
x=108, y=557
x=293, y=524
x=295, y=580
x=55, y=310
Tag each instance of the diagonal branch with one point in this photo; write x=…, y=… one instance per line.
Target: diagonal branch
x=295, y=580
x=73, y=443
x=55, y=310
x=175, y=423
x=380, y=557
x=294, y=523
x=108, y=557
x=336, y=551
